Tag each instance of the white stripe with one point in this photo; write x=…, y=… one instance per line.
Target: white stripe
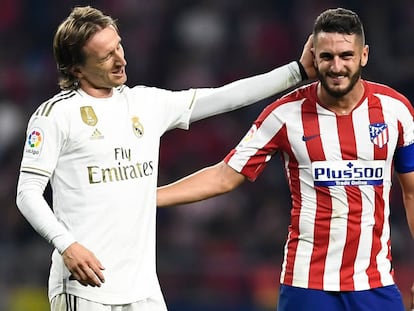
x=337, y=237
x=363, y=255
x=383, y=265
x=307, y=216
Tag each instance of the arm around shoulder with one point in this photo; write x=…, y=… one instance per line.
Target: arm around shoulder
x=250, y=90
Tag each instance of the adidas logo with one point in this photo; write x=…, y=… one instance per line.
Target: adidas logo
x=96, y=134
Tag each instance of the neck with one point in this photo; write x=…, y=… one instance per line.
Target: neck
x=96, y=92
x=341, y=105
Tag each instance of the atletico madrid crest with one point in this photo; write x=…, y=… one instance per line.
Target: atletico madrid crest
x=378, y=133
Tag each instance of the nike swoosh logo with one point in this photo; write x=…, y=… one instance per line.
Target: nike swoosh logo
x=306, y=138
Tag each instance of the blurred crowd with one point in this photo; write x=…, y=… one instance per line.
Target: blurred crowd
x=224, y=253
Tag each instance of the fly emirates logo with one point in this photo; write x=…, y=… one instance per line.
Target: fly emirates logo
x=125, y=171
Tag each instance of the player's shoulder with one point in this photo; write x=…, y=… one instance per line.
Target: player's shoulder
x=142, y=90
x=291, y=103
x=376, y=89
x=304, y=91
x=56, y=103
x=137, y=90
x=298, y=95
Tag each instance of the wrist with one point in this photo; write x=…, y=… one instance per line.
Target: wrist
x=302, y=71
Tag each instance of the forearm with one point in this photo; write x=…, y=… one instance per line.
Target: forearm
x=245, y=92
x=407, y=186
x=409, y=210
x=35, y=209
x=206, y=183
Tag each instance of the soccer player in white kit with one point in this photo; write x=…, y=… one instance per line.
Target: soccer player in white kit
x=340, y=139
x=97, y=142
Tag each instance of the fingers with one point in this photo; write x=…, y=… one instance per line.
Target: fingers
x=309, y=42
x=87, y=275
x=95, y=273
x=94, y=277
x=83, y=265
x=307, y=59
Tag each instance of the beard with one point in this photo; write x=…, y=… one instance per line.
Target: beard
x=338, y=93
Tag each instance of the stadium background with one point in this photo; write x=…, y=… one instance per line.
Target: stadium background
x=224, y=253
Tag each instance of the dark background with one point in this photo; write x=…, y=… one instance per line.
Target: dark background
x=224, y=253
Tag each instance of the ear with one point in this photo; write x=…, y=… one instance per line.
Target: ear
x=364, y=55
x=76, y=72
x=314, y=58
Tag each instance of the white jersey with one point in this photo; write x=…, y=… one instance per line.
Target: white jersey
x=339, y=170
x=101, y=155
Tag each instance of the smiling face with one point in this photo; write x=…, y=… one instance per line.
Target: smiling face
x=104, y=65
x=339, y=59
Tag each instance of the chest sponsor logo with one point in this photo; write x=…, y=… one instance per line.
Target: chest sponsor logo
x=88, y=115
x=34, y=143
x=348, y=173
x=378, y=133
x=125, y=168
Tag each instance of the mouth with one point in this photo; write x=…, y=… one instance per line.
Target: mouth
x=336, y=79
x=120, y=72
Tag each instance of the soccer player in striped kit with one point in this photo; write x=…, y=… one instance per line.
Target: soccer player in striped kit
x=97, y=142
x=340, y=139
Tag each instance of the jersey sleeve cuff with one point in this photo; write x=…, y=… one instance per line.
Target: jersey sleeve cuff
x=302, y=71
x=295, y=73
x=62, y=242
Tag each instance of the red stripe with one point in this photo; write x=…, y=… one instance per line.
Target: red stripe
x=374, y=277
x=323, y=201
x=347, y=142
x=293, y=237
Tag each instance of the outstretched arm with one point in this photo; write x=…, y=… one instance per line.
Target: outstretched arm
x=203, y=184
x=244, y=92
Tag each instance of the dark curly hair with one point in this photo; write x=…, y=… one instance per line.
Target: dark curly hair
x=341, y=21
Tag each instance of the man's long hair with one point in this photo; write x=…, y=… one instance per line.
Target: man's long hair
x=70, y=38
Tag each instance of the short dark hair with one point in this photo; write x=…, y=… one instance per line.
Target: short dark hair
x=341, y=21
x=70, y=38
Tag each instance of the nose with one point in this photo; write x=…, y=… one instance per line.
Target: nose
x=336, y=64
x=120, y=57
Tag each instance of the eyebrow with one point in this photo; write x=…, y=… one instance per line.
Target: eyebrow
x=342, y=54
x=111, y=51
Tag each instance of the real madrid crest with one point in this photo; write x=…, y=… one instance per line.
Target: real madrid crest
x=137, y=127
x=88, y=115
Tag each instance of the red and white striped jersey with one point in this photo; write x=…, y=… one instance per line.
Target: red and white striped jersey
x=339, y=169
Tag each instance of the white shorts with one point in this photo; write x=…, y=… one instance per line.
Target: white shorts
x=67, y=302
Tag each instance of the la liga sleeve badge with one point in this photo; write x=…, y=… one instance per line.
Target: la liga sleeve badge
x=34, y=143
